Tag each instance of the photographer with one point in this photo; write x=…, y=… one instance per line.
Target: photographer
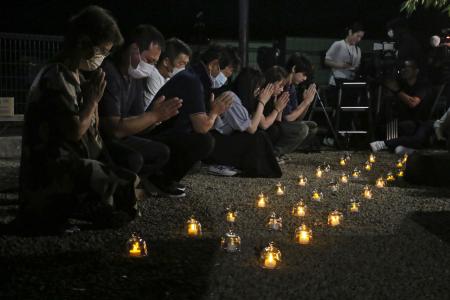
x=412, y=95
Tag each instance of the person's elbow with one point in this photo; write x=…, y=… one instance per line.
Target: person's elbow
x=264, y=125
x=200, y=128
x=414, y=102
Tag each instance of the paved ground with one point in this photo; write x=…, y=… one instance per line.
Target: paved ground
x=396, y=247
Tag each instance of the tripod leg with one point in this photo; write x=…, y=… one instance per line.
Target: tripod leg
x=330, y=124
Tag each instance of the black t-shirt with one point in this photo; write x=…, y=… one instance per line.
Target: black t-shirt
x=187, y=86
x=123, y=96
x=421, y=89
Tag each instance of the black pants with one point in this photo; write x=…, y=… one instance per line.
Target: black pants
x=139, y=154
x=185, y=150
x=412, y=134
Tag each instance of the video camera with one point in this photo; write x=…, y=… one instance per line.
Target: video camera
x=380, y=64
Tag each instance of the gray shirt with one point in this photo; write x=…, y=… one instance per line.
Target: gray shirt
x=236, y=118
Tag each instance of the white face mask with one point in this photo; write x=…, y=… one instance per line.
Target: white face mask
x=218, y=81
x=435, y=41
x=175, y=71
x=142, y=70
x=390, y=33
x=92, y=63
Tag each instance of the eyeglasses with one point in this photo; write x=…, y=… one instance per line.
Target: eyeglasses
x=102, y=51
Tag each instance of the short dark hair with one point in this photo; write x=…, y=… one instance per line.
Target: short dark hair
x=275, y=73
x=214, y=51
x=300, y=64
x=175, y=47
x=248, y=80
x=230, y=57
x=355, y=27
x=143, y=35
x=91, y=27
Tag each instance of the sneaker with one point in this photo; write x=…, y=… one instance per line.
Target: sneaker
x=179, y=186
x=221, y=170
x=402, y=150
x=158, y=188
x=378, y=146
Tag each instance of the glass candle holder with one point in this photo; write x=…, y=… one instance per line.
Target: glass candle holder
x=354, y=206
x=231, y=216
x=270, y=257
x=274, y=222
x=356, y=173
x=372, y=158
x=231, y=242
x=380, y=182
x=399, y=164
x=302, y=180
x=299, y=209
x=136, y=246
x=326, y=168
x=390, y=177
x=400, y=173
x=303, y=235
x=280, y=189
x=367, y=192
x=347, y=157
x=335, y=218
x=262, y=201
x=319, y=172
x=344, y=178
x=405, y=158
x=193, y=227
x=367, y=166
x=316, y=195
x=334, y=186
x=342, y=161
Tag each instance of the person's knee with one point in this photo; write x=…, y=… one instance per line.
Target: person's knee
x=164, y=153
x=205, y=145
x=134, y=161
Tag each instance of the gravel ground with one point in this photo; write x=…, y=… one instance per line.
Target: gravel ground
x=396, y=247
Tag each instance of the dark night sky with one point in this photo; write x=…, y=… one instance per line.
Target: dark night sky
x=269, y=19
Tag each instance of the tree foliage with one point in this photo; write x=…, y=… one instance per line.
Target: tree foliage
x=411, y=5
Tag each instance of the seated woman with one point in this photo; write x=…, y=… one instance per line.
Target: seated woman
x=238, y=142
x=64, y=170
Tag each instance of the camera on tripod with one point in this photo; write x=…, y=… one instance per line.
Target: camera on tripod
x=380, y=64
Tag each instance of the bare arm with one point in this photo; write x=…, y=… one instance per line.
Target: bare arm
x=280, y=104
x=410, y=101
x=203, y=122
x=263, y=98
x=308, y=98
x=337, y=65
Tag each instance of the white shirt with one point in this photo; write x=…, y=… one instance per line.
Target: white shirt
x=153, y=85
x=341, y=52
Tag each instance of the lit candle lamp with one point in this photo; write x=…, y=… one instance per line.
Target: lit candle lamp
x=303, y=235
x=400, y=173
x=342, y=161
x=231, y=216
x=390, y=177
x=194, y=228
x=299, y=209
x=262, y=201
x=399, y=164
x=231, y=242
x=316, y=195
x=344, y=178
x=367, y=166
x=380, y=183
x=372, y=158
x=270, y=257
x=136, y=246
x=319, y=172
x=279, y=189
x=302, y=180
x=405, y=158
x=335, y=218
x=354, y=206
x=274, y=222
x=367, y=192
x=356, y=173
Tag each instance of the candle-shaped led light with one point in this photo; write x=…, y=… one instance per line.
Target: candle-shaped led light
x=390, y=177
x=136, y=246
x=231, y=242
x=299, y=209
x=274, y=222
x=335, y=218
x=262, y=201
x=372, y=158
x=344, y=178
x=380, y=183
x=319, y=172
x=356, y=173
x=316, y=195
x=303, y=235
x=342, y=161
x=399, y=164
x=279, y=189
x=270, y=257
x=367, y=166
x=302, y=180
x=400, y=173
x=194, y=228
x=354, y=206
x=367, y=192
x=231, y=216
x=405, y=158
